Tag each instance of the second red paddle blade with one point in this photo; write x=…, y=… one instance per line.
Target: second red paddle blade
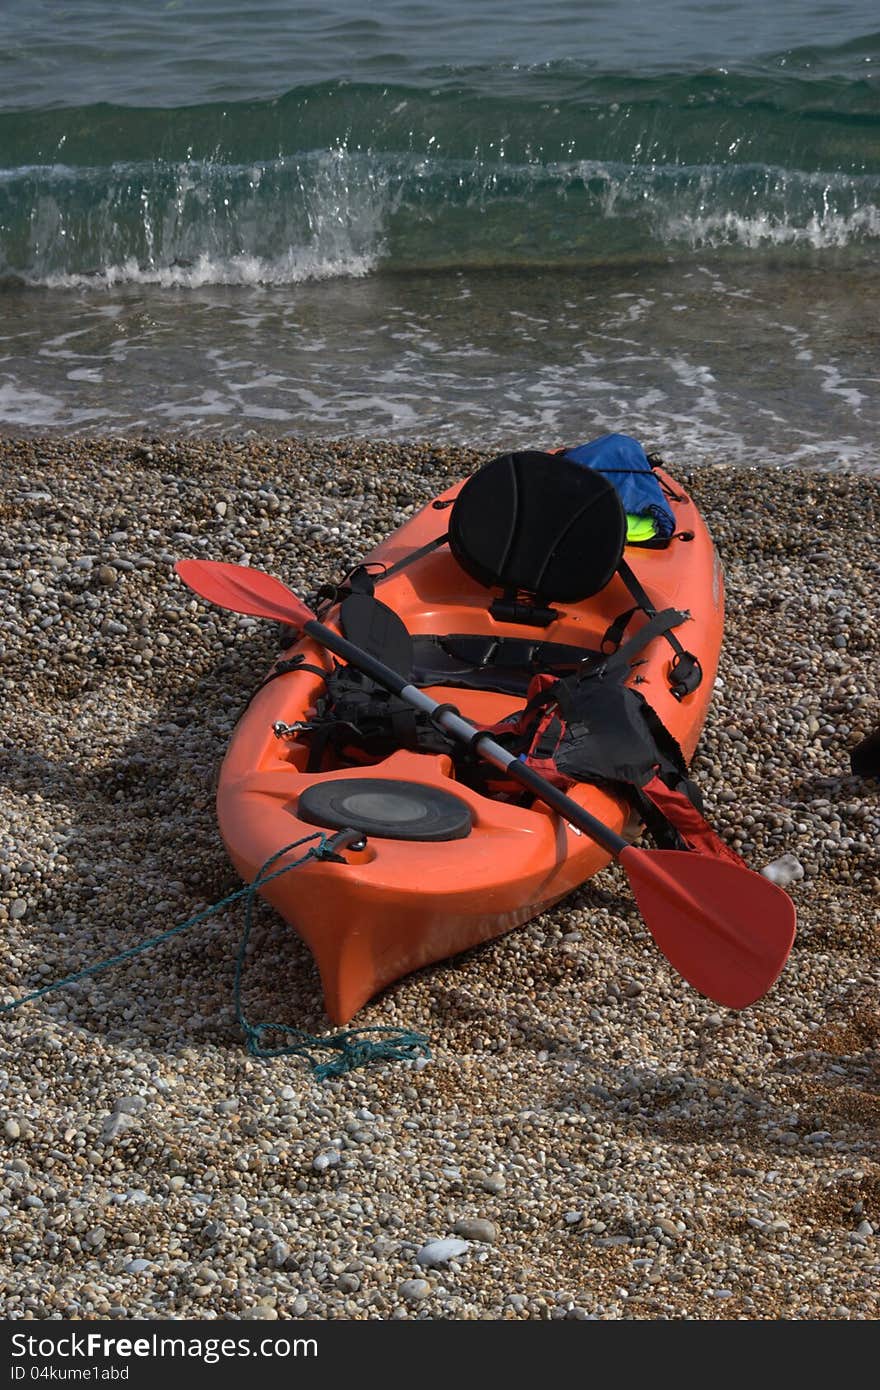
x=727, y=930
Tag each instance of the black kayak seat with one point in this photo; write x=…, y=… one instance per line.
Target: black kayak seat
x=538, y=523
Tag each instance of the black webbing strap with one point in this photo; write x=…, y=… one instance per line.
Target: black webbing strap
x=660, y=625
x=411, y=557
x=502, y=664
x=283, y=668
x=361, y=581
x=685, y=673
x=614, y=632
x=414, y=555
x=546, y=744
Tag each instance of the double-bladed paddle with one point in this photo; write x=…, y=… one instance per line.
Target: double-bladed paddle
x=727, y=930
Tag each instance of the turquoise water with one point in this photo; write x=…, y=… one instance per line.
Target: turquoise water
x=305, y=218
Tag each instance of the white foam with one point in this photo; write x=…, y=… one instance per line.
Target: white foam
x=821, y=232
x=92, y=374
x=834, y=383
x=295, y=267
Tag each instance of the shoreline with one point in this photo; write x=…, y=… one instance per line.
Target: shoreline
x=630, y=1150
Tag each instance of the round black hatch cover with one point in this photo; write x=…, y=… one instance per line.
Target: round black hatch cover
x=385, y=808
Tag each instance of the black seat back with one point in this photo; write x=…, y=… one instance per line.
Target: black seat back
x=539, y=524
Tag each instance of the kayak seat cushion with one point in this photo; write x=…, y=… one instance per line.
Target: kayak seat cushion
x=386, y=808
x=540, y=524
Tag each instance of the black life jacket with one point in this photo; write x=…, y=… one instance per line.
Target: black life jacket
x=590, y=727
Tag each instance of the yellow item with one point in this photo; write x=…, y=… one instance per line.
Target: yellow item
x=640, y=528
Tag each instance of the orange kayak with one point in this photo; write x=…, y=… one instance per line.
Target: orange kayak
x=413, y=896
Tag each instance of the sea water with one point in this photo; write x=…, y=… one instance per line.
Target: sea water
x=502, y=224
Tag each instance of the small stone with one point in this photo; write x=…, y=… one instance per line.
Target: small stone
x=12, y=1129
x=476, y=1228
x=18, y=909
x=414, y=1289
x=440, y=1252
x=783, y=871
x=279, y=1253
x=668, y=1227
x=220, y=508
x=494, y=1183
x=107, y=575
x=264, y=1311
x=138, y=1266
x=129, y=1105
x=113, y=1125
x=299, y=1306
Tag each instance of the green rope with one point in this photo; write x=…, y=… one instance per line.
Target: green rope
x=353, y=1046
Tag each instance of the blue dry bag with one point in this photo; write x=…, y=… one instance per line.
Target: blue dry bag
x=624, y=463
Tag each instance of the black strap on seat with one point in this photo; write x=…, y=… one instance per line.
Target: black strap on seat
x=361, y=581
x=512, y=608
x=413, y=555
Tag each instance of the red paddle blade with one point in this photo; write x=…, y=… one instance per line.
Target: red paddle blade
x=243, y=590
x=727, y=930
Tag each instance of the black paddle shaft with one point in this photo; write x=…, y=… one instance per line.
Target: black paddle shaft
x=482, y=743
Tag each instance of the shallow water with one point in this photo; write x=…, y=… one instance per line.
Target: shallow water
x=748, y=364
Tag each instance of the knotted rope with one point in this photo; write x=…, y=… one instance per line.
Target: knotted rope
x=354, y=1047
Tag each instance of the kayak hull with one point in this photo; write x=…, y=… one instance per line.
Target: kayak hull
x=398, y=905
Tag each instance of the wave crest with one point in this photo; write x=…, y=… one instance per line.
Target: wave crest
x=338, y=212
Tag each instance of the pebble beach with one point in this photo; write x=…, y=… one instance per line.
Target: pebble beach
x=591, y=1139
